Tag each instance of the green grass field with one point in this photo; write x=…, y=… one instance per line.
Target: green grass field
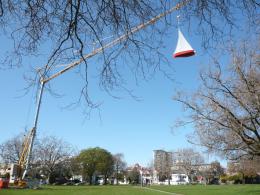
x=212, y=189
x=130, y=190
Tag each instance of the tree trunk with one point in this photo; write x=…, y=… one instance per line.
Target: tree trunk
x=243, y=178
x=90, y=179
x=48, y=179
x=51, y=178
x=117, y=175
x=105, y=179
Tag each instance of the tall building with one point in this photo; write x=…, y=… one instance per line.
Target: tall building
x=163, y=163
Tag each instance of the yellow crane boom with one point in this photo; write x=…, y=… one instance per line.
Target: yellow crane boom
x=26, y=152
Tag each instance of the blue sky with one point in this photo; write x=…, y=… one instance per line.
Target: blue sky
x=134, y=128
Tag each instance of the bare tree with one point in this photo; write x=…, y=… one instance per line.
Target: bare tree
x=188, y=161
x=246, y=167
x=119, y=165
x=212, y=172
x=216, y=22
x=226, y=108
x=50, y=153
x=10, y=150
x=71, y=28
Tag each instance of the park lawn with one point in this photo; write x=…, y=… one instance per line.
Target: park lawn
x=131, y=190
x=81, y=190
x=212, y=189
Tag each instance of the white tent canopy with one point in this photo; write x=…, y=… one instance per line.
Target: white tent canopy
x=183, y=48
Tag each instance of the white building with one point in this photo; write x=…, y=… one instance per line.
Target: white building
x=179, y=179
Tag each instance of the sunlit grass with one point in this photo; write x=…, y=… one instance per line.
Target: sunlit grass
x=132, y=190
x=212, y=189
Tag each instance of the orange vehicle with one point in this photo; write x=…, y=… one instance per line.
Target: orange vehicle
x=4, y=183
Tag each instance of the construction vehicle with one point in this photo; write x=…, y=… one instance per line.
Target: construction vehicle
x=18, y=172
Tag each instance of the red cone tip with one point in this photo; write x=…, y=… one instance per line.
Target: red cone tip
x=186, y=53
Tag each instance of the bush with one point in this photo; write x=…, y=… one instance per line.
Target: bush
x=223, y=178
x=237, y=179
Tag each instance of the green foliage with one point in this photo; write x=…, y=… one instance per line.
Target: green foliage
x=238, y=178
x=194, y=178
x=134, y=176
x=96, y=161
x=224, y=178
x=120, y=176
x=162, y=177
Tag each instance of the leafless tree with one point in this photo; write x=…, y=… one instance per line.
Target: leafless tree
x=67, y=30
x=51, y=153
x=119, y=165
x=216, y=22
x=10, y=149
x=187, y=160
x=212, y=172
x=246, y=167
x=226, y=108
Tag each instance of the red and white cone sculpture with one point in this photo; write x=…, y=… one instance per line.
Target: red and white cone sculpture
x=183, y=48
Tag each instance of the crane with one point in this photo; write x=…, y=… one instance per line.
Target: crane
x=26, y=153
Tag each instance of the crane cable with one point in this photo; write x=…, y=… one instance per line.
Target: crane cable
x=117, y=40
x=30, y=139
